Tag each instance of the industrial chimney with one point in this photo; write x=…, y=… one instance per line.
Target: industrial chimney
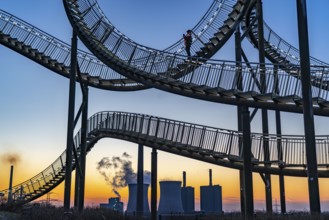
x=170, y=197
x=187, y=194
x=210, y=177
x=10, y=196
x=132, y=200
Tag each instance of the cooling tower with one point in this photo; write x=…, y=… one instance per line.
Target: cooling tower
x=132, y=200
x=170, y=197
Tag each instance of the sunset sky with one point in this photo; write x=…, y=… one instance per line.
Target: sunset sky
x=34, y=100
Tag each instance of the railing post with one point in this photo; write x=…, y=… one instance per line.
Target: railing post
x=148, y=127
x=215, y=141
x=230, y=145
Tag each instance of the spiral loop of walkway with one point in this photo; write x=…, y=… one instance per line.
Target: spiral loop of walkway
x=279, y=51
x=218, y=81
x=132, y=59
x=286, y=153
x=55, y=55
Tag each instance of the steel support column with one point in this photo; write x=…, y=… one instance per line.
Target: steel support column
x=282, y=194
x=70, y=123
x=247, y=171
x=239, y=85
x=76, y=188
x=154, y=183
x=312, y=172
x=280, y=157
x=140, y=181
x=268, y=192
x=83, y=151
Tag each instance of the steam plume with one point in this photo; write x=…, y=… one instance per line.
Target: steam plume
x=118, y=171
x=11, y=158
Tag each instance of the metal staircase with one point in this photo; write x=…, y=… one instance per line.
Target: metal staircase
x=286, y=153
x=212, y=80
x=55, y=55
x=126, y=56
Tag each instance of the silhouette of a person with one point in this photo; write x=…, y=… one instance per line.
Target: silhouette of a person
x=188, y=42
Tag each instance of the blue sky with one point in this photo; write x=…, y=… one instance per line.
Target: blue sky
x=34, y=100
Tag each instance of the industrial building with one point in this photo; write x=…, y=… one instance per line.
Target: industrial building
x=114, y=204
x=211, y=198
x=188, y=199
x=187, y=194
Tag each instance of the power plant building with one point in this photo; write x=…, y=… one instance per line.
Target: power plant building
x=114, y=204
x=188, y=199
x=211, y=199
x=187, y=196
x=170, y=198
x=132, y=199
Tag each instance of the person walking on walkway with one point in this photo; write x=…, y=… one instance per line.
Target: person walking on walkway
x=188, y=42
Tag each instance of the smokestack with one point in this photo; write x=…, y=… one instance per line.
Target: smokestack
x=210, y=177
x=10, y=184
x=184, y=179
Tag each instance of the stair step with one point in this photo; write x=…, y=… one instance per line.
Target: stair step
x=225, y=29
x=229, y=22
x=234, y=14
x=212, y=91
x=288, y=99
x=220, y=35
x=93, y=79
x=246, y=95
x=199, y=88
x=238, y=6
x=265, y=96
x=229, y=92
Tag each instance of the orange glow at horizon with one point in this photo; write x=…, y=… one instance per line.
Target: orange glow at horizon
x=98, y=191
